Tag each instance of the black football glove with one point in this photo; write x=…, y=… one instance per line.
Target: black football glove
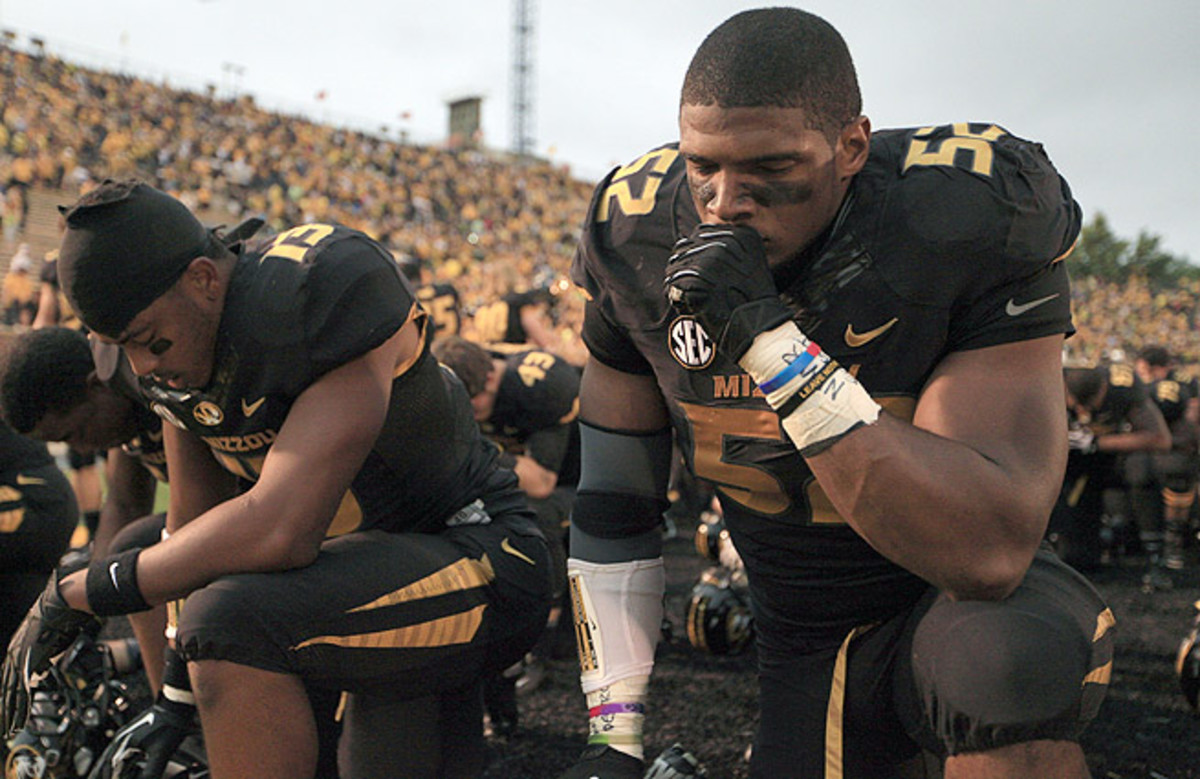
x=600, y=761
x=49, y=628
x=143, y=748
x=719, y=274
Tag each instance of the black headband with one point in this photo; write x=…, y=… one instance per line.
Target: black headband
x=125, y=246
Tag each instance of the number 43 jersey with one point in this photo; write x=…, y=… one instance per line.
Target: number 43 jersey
x=949, y=239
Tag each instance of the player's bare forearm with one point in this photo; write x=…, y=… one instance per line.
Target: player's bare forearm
x=964, y=502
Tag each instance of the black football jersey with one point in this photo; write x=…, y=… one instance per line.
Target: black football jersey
x=441, y=301
x=1171, y=396
x=1125, y=392
x=499, y=322
x=948, y=240
x=18, y=452
x=315, y=298
x=535, y=412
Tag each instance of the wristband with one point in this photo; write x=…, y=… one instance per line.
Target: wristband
x=818, y=401
x=112, y=587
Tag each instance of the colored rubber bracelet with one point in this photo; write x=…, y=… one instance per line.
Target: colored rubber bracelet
x=616, y=708
x=794, y=369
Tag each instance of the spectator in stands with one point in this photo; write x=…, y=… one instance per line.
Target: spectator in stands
x=19, y=294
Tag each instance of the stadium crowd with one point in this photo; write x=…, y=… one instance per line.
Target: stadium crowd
x=67, y=127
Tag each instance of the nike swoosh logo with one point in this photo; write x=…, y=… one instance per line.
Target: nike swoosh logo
x=508, y=547
x=249, y=408
x=112, y=574
x=855, y=340
x=25, y=481
x=1016, y=309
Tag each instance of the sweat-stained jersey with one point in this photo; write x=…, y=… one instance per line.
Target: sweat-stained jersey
x=312, y=299
x=948, y=240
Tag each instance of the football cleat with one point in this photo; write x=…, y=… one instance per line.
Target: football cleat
x=718, y=616
x=1187, y=662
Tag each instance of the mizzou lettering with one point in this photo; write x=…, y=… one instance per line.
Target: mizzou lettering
x=241, y=443
x=739, y=386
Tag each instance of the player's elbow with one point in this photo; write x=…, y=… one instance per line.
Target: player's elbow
x=993, y=579
x=282, y=551
x=994, y=572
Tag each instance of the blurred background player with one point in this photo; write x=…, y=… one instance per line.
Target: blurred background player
x=1162, y=485
x=526, y=403
x=1109, y=415
x=439, y=298
x=37, y=517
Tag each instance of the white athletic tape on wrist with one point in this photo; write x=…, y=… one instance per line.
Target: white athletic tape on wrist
x=178, y=696
x=618, y=613
x=784, y=362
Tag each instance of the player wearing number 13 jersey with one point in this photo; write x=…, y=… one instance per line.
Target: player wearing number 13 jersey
x=893, y=581
x=375, y=547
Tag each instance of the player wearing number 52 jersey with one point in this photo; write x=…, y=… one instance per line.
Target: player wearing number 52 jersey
x=925, y=258
x=378, y=550
x=855, y=336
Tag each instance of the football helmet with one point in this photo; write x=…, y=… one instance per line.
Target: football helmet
x=1187, y=661
x=74, y=709
x=718, y=615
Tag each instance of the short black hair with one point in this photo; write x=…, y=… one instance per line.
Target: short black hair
x=1086, y=384
x=1156, y=356
x=469, y=361
x=781, y=57
x=43, y=371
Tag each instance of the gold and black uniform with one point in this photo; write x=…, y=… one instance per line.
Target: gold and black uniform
x=440, y=299
x=38, y=514
x=948, y=240
x=437, y=568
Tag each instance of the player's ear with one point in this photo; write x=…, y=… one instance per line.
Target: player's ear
x=203, y=276
x=853, y=146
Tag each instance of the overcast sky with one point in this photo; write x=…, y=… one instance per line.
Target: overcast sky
x=1111, y=87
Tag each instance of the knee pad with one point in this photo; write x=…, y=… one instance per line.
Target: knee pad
x=990, y=675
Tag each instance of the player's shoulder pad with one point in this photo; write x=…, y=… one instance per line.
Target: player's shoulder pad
x=307, y=274
x=969, y=206
x=637, y=212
